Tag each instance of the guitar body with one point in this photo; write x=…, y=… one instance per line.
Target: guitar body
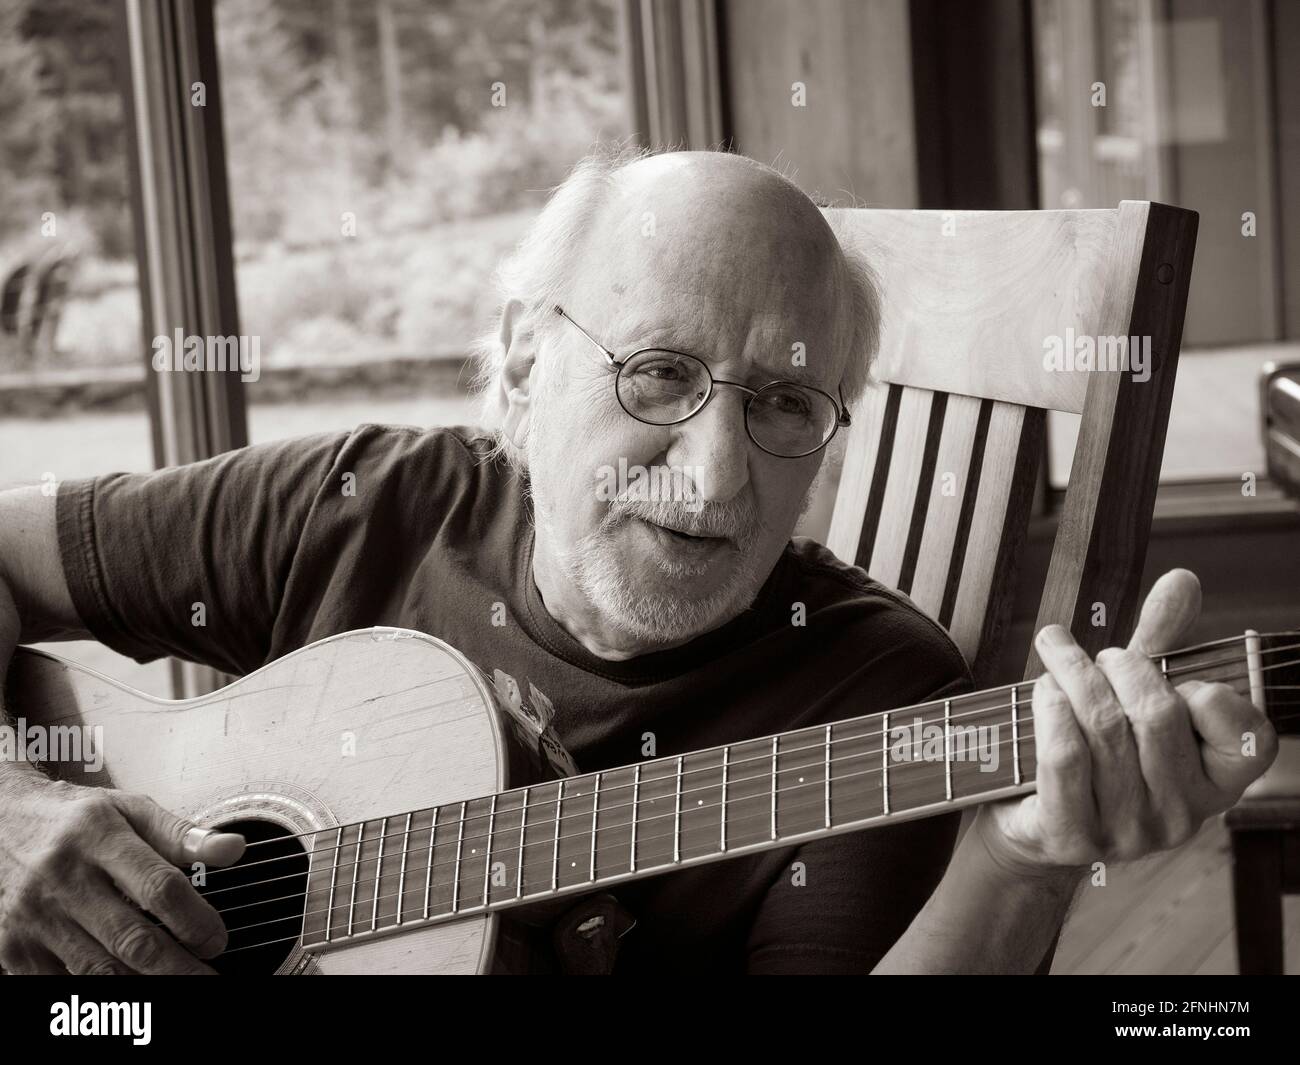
x=346, y=729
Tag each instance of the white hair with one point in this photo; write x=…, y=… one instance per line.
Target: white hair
x=543, y=263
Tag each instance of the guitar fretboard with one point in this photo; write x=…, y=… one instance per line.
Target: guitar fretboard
x=574, y=835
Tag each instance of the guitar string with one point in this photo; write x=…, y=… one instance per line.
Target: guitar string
x=548, y=863
x=584, y=815
x=609, y=788
x=763, y=758
x=936, y=705
x=540, y=805
x=478, y=908
x=553, y=842
x=932, y=705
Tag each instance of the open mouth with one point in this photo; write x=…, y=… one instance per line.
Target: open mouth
x=690, y=541
x=691, y=537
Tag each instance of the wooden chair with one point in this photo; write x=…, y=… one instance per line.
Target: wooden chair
x=943, y=456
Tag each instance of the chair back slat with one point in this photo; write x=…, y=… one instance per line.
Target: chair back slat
x=952, y=477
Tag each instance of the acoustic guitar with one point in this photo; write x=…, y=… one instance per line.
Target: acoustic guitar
x=404, y=816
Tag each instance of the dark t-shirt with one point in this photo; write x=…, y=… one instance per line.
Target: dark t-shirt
x=290, y=542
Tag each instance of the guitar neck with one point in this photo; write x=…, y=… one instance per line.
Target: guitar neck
x=577, y=834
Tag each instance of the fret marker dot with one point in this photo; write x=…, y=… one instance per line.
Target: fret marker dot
x=801, y=780
x=699, y=802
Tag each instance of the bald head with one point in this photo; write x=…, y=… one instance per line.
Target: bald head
x=722, y=251
x=700, y=238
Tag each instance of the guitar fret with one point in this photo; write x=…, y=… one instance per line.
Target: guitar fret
x=555, y=854
x=460, y=848
x=428, y=872
x=401, y=878
x=1015, y=731
x=884, y=761
x=636, y=796
x=774, y=749
x=356, y=868
x=595, y=811
x=677, y=815
x=827, y=774
x=523, y=834
x=726, y=752
x=947, y=747
x=379, y=869
x=334, y=876
x=487, y=860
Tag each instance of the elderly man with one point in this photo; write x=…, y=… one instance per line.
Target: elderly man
x=690, y=314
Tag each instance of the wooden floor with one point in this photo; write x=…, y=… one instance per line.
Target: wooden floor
x=1170, y=913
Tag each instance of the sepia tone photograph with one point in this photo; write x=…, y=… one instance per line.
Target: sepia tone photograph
x=628, y=487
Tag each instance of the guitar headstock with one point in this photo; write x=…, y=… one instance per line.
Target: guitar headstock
x=1280, y=669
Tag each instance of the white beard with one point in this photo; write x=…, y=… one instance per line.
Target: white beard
x=596, y=568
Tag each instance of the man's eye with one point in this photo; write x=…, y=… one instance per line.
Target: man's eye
x=660, y=371
x=785, y=402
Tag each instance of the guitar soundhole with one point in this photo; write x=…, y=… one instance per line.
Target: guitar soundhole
x=260, y=898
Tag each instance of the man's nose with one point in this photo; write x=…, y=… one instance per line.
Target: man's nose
x=715, y=447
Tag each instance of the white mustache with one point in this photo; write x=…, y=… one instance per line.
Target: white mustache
x=736, y=522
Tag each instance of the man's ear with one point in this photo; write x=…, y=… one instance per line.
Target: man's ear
x=520, y=346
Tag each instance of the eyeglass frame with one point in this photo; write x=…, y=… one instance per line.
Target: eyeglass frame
x=842, y=418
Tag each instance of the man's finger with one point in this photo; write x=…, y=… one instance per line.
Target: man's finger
x=128, y=936
x=1116, y=773
x=1064, y=771
x=1239, y=741
x=1167, y=747
x=80, y=953
x=178, y=840
x=166, y=892
x=1168, y=613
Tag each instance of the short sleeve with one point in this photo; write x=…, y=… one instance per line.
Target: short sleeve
x=192, y=560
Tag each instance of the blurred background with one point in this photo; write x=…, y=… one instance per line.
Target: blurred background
x=339, y=178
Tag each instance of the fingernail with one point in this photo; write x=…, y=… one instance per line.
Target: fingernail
x=192, y=844
x=1054, y=636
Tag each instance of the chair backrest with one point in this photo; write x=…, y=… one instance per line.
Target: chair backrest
x=988, y=321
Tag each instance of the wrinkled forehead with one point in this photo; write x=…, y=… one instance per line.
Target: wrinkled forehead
x=740, y=266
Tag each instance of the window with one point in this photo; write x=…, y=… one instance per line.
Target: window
x=382, y=157
x=1186, y=102
x=71, y=367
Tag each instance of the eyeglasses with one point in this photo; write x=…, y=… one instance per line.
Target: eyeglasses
x=662, y=387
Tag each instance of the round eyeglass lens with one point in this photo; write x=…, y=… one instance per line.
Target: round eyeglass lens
x=663, y=387
x=788, y=419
